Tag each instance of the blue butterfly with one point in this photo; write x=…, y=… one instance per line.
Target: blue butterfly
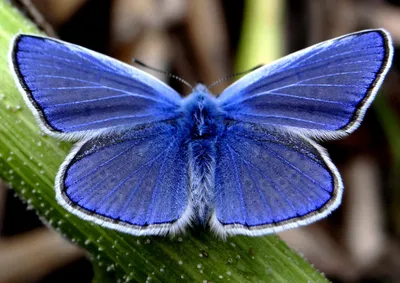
x=151, y=163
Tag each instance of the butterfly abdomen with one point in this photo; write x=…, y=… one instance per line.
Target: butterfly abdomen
x=201, y=174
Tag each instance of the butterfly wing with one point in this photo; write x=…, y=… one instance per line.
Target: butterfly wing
x=76, y=92
x=267, y=181
x=323, y=90
x=135, y=182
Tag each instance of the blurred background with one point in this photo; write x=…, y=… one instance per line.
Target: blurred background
x=203, y=41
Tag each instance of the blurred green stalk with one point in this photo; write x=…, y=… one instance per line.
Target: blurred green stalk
x=29, y=162
x=261, y=40
x=391, y=126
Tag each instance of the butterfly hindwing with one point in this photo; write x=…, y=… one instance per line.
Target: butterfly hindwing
x=136, y=181
x=74, y=91
x=323, y=90
x=267, y=180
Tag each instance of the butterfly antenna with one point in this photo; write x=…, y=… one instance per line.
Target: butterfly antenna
x=136, y=61
x=234, y=75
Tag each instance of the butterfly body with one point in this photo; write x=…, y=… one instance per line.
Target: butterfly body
x=204, y=123
x=149, y=162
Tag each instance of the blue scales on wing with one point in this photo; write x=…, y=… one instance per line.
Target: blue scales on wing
x=267, y=180
x=73, y=89
x=136, y=181
x=322, y=89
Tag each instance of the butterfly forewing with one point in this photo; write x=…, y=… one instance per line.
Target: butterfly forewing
x=323, y=90
x=74, y=91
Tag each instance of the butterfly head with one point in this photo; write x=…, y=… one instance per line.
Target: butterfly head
x=202, y=112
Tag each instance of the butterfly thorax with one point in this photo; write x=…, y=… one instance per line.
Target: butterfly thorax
x=203, y=117
x=204, y=121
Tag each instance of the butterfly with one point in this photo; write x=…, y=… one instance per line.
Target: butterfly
x=149, y=162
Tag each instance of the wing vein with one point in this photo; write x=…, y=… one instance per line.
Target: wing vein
x=148, y=163
x=102, y=165
x=283, y=195
x=155, y=192
x=288, y=162
x=295, y=96
x=109, y=119
x=266, y=206
x=114, y=157
x=88, y=192
x=284, y=117
x=303, y=60
x=166, y=102
x=239, y=188
x=298, y=83
x=66, y=61
x=127, y=94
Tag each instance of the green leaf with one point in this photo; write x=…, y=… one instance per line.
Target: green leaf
x=29, y=161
